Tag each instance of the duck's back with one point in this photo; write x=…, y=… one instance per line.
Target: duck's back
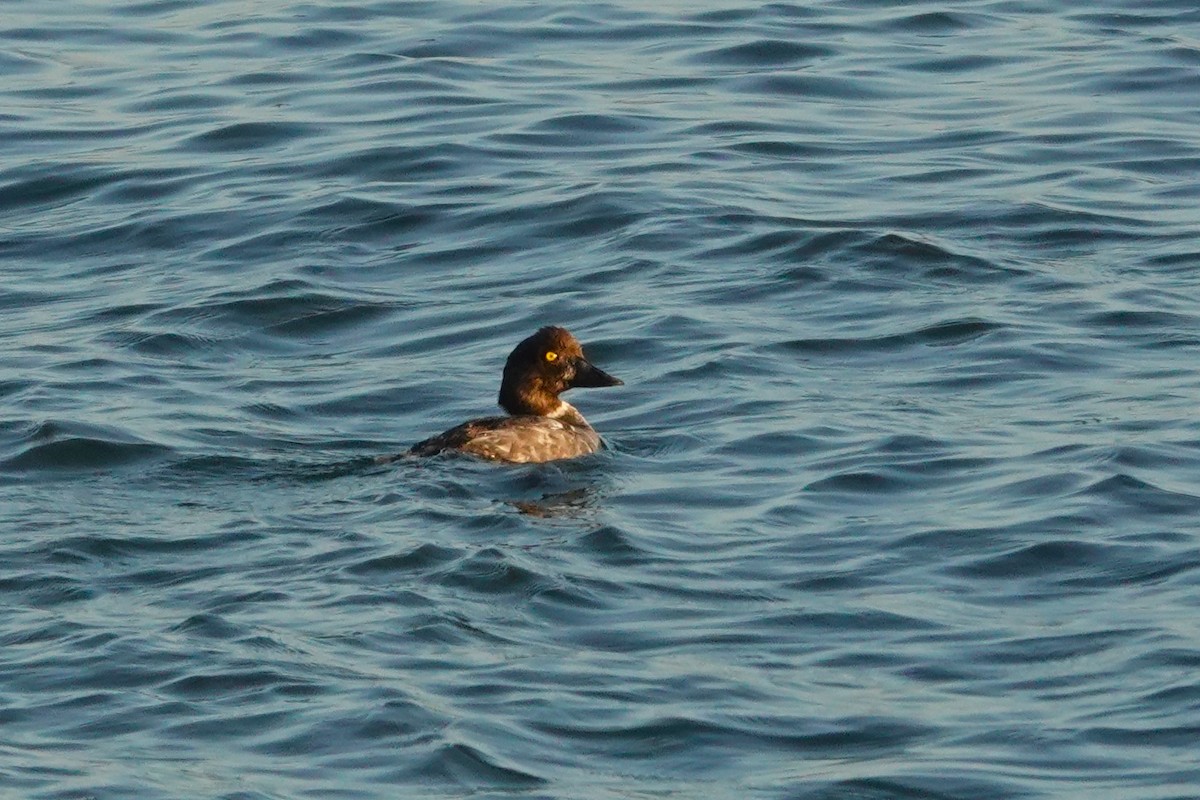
x=522, y=439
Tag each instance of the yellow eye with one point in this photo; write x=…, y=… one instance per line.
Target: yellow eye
x=551, y=355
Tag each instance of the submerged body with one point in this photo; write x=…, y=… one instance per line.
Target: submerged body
x=540, y=425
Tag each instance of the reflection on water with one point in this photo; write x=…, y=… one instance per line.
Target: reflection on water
x=573, y=504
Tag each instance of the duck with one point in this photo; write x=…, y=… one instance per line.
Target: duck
x=540, y=425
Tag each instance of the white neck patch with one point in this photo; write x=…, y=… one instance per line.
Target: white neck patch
x=564, y=408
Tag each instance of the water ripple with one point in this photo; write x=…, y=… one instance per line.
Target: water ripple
x=900, y=490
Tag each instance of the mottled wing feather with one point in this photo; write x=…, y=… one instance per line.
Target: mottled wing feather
x=519, y=439
x=542, y=440
x=456, y=437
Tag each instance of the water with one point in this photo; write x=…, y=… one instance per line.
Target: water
x=901, y=496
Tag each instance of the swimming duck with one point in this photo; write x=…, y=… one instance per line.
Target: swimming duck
x=541, y=426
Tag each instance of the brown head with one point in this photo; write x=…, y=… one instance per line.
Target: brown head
x=543, y=366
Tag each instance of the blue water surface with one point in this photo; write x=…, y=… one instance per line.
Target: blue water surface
x=901, y=496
